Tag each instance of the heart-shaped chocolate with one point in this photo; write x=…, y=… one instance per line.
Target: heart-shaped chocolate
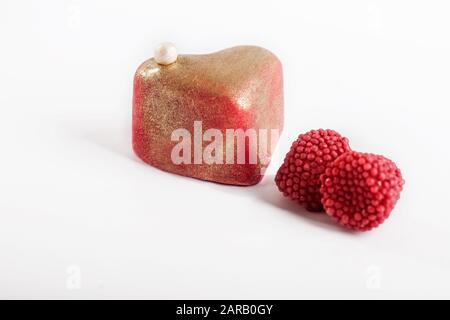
x=214, y=117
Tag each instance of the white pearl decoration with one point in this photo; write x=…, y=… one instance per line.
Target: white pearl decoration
x=166, y=53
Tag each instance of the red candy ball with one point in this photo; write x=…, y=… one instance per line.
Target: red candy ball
x=299, y=176
x=359, y=190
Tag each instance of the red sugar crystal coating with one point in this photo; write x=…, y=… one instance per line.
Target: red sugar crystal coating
x=299, y=176
x=359, y=190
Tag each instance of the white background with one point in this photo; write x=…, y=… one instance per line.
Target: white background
x=82, y=217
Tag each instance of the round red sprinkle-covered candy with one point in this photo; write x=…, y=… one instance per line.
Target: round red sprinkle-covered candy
x=359, y=190
x=299, y=176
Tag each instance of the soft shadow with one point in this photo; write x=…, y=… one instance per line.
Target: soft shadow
x=115, y=139
x=267, y=192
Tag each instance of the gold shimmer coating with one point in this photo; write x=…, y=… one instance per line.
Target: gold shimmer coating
x=237, y=88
